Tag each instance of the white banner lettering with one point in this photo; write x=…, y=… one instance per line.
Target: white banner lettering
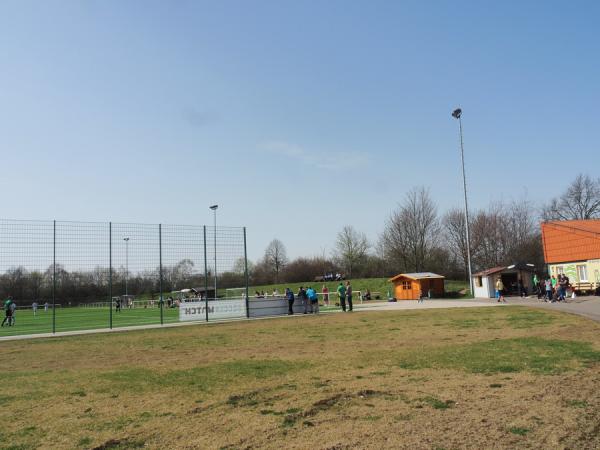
x=217, y=309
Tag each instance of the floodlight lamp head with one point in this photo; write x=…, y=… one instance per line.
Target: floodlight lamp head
x=214, y=207
x=456, y=113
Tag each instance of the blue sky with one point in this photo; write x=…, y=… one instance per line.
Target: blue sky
x=297, y=117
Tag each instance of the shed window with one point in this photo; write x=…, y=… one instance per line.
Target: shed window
x=406, y=285
x=479, y=281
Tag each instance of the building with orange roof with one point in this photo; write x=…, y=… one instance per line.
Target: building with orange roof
x=572, y=247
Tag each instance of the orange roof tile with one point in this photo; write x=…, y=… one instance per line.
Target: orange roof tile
x=571, y=240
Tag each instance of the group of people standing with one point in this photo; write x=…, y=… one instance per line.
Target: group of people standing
x=310, y=298
x=10, y=310
x=553, y=289
x=550, y=289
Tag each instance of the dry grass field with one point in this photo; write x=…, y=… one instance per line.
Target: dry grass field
x=507, y=377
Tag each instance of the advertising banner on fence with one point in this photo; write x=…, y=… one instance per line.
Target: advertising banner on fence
x=217, y=309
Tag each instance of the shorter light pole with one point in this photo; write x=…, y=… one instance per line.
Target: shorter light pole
x=126, y=262
x=214, y=210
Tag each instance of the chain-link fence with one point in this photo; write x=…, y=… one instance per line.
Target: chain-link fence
x=68, y=276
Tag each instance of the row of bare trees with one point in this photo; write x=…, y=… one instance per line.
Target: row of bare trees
x=82, y=286
x=417, y=238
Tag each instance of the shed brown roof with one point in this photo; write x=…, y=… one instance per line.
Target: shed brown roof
x=485, y=273
x=571, y=240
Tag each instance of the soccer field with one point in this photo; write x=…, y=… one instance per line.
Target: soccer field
x=509, y=377
x=72, y=319
x=75, y=319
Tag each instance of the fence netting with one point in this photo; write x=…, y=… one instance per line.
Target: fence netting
x=70, y=276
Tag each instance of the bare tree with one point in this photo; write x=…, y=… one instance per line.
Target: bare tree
x=412, y=231
x=488, y=235
x=504, y=234
x=581, y=201
x=455, y=237
x=239, y=266
x=276, y=257
x=521, y=226
x=350, y=248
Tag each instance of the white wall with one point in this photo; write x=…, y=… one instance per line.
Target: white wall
x=486, y=290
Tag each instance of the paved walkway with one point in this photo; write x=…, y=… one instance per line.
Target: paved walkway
x=584, y=306
x=427, y=304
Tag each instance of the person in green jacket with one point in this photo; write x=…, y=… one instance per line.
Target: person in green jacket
x=341, y=290
x=8, y=311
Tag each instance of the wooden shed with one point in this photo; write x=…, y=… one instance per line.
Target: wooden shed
x=412, y=286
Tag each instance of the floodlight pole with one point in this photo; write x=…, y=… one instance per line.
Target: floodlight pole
x=126, y=263
x=214, y=209
x=457, y=115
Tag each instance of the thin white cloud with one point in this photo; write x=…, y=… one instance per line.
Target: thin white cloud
x=198, y=118
x=321, y=160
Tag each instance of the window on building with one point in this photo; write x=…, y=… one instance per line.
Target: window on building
x=406, y=285
x=479, y=281
x=582, y=272
x=560, y=270
x=597, y=275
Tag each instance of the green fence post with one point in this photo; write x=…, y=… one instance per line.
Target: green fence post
x=246, y=275
x=160, y=273
x=206, y=277
x=110, y=317
x=54, y=280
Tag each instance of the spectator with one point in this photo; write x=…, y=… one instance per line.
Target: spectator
x=325, y=292
x=500, y=290
x=541, y=289
x=341, y=290
x=563, y=283
x=522, y=289
x=290, y=298
x=548, y=286
x=303, y=298
x=349, y=295
x=314, y=300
